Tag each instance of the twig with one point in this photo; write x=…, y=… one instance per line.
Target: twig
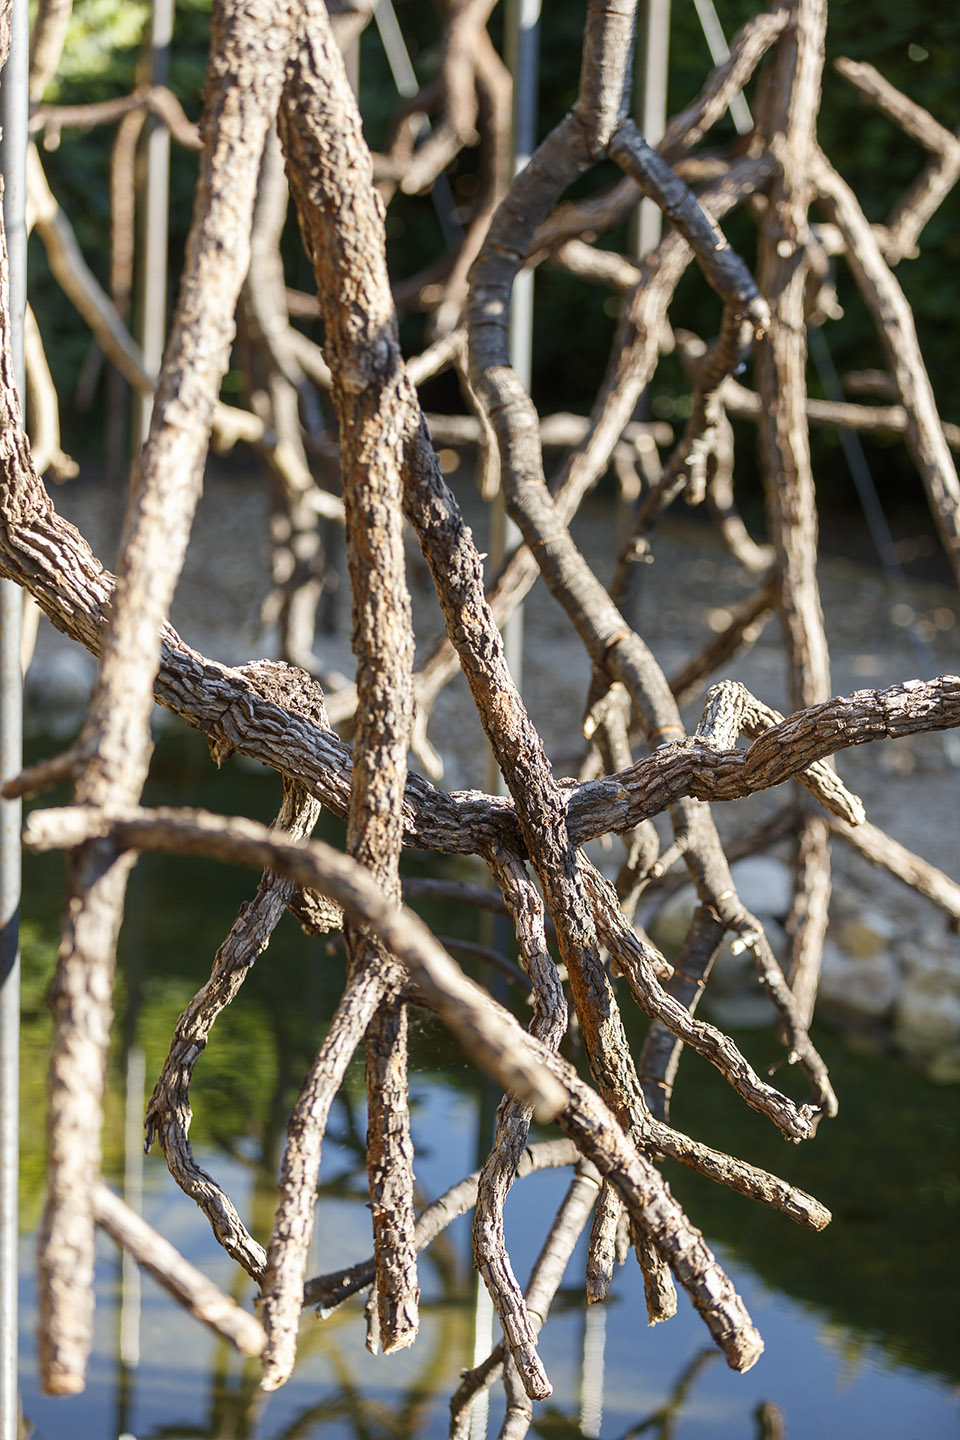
x=194, y=1290
x=881, y=849
x=168, y=1112
x=545, y=1278
x=894, y=322
x=118, y=721
x=329, y=1291
x=549, y=1025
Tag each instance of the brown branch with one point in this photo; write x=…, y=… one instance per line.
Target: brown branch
x=882, y=850
x=76, y=279
x=43, y=410
x=327, y=1292
x=912, y=119
x=168, y=1112
x=154, y=99
x=721, y=265
x=495, y=1039
x=892, y=419
x=188, y=1285
x=47, y=34
x=743, y=631
x=549, y=1024
x=117, y=727
x=894, y=321
x=545, y=1278
x=636, y=963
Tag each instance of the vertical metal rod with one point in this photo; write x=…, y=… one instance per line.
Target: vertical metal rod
x=653, y=54
x=154, y=227
x=719, y=51
x=13, y=152
x=646, y=223
x=405, y=79
x=522, y=56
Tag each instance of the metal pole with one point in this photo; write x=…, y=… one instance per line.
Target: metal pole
x=152, y=318
x=521, y=52
x=522, y=41
x=653, y=54
x=13, y=153
x=405, y=79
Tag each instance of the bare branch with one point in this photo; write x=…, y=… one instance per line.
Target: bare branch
x=184, y=1282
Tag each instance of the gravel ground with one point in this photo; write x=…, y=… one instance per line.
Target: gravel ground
x=910, y=787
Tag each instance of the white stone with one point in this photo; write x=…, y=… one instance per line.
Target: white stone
x=928, y=969
x=933, y=959
x=764, y=884
x=861, y=985
x=746, y=1010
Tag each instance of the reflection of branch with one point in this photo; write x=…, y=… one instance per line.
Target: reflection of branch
x=168, y=1112
x=495, y=1040
x=663, y=1421
x=185, y=1283
x=549, y=1024
x=329, y=1291
x=545, y=1277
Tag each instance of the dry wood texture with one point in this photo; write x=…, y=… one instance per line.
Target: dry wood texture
x=278, y=96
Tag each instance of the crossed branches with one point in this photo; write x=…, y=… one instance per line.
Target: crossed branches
x=276, y=70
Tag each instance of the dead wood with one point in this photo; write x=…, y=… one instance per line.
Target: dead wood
x=352, y=405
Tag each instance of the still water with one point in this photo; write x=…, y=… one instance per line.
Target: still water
x=860, y=1323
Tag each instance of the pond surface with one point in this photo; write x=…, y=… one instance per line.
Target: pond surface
x=860, y=1322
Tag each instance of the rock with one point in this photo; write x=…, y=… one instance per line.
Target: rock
x=944, y=1069
x=927, y=1021
x=743, y=1011
x=933, y=960
x=864, y=986
x=867, y=935
x=765, y=885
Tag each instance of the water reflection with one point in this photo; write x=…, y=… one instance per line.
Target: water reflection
x=859, y=1322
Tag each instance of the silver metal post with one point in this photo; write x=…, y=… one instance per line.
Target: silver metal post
x=13, y=151
x=521, y=52
x=522, y=55
x=154, y=228
x=719, y=51
x=653, y=54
